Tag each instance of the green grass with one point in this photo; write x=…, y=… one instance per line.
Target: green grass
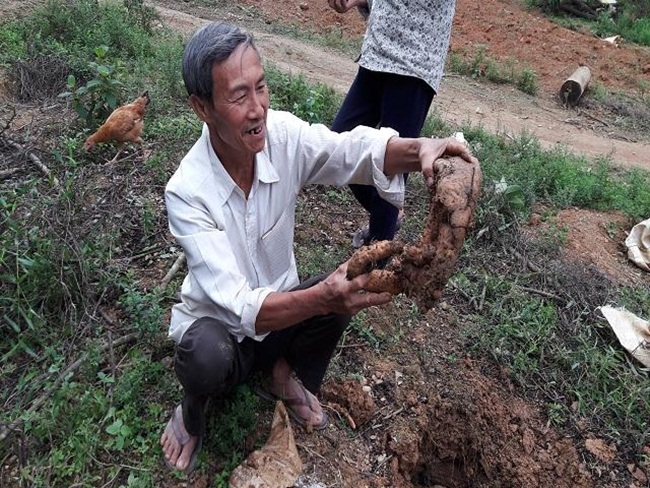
x=311, y=102
x=99, y=243
x=480, y=66
x=631, y=20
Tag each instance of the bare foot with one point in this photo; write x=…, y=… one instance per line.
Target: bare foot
x=303, y=402
x=177, y=445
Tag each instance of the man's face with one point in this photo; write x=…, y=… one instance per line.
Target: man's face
x=237, y=115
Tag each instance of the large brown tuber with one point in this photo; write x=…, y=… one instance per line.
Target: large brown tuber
x=422, y=270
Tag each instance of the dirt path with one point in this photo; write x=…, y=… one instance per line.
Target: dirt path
x=498, y=108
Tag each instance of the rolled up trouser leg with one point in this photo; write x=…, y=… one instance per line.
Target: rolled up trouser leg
x=209, y=361
x=307, y=346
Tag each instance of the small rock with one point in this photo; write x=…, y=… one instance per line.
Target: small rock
x=637, y=473
x=535, y=219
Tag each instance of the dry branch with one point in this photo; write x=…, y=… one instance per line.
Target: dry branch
x=173, y=270
x=8, y=123
x=39, y=164
x=7, y=173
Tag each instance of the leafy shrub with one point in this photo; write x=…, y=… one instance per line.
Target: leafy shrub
x=95, y=100
x=312, y=103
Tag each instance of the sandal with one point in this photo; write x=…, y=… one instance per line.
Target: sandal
x=291, y=403
x=174, y=429
x=362, y=236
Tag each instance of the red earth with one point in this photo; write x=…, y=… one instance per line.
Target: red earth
x=506, y=31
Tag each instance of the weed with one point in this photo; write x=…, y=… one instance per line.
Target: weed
x=312, y=103
x=435, y=126
x=235, y=418
x=598, y=91
x=12, y=46
x=358, y=325
x=95, y=101
x=144, y=309
x=481, y=66
x=166, y=63
x=527, y=81
x=557, y=413
x=557, y=176
x=501, y=205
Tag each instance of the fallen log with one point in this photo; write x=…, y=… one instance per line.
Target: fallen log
x=574, y=86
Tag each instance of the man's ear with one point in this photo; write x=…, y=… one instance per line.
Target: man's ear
x=199, y=105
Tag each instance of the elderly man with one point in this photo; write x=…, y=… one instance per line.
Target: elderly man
x=231, y=206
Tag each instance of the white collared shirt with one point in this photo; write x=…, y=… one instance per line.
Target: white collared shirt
x=239, y=250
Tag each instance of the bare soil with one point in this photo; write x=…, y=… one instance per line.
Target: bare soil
x=424, y=412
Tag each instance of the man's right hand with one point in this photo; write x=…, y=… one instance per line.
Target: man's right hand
x=342, y=6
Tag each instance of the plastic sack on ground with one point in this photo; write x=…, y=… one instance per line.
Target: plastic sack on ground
x=275, y=465
x=632, y=332
x=638, y=245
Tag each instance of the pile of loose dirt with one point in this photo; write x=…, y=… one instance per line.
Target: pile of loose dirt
x=432, y=422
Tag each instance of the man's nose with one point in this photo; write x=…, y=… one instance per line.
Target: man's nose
x=256, y=105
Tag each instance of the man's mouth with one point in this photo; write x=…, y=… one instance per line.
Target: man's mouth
x=255, y=130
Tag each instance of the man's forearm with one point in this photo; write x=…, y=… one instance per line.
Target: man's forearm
x=283, y=309
x=402, y=156
x=405, y=155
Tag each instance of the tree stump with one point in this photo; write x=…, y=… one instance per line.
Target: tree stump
x=574, y=86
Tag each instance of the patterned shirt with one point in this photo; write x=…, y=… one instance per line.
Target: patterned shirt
x=408, y=37
x=240, y=249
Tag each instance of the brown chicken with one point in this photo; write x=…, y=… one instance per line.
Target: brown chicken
x=122, y=126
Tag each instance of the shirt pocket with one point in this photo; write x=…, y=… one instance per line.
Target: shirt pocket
x=276, y=248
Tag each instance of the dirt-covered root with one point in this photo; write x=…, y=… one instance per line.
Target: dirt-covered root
x=422, y=270
x=367, y=258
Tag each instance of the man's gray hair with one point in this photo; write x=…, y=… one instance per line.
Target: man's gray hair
x=210, y=45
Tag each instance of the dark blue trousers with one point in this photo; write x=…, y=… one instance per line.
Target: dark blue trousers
x=209, y=361
x=377, y=99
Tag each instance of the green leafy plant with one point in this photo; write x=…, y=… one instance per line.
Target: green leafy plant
x=119, y=431
x=502, y=204
x=237, y=418
x=98, y=97
x=144, y=309
x=313, y=103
